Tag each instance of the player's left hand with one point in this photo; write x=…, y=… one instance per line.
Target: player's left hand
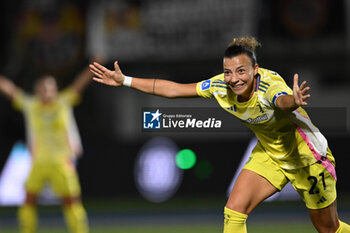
x=300, y=92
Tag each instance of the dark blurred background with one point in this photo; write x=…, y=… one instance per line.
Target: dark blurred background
x=181, y=41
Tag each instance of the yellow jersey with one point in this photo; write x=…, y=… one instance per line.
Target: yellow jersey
x=52, y=134
x=290, y=139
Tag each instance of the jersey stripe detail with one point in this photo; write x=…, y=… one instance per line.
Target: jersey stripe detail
x=220, y=86
x=220, y=82
x=265, y=83
x=262, y=90
x=262, y=86
x=324, y=160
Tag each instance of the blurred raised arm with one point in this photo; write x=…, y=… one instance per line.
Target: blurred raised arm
x=158, y=87
x=7, y=87
x=84, y=78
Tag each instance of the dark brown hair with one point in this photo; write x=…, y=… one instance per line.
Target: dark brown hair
x=243, y=45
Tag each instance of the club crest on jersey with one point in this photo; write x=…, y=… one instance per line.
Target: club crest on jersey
x=260, y=108
x=205, y=85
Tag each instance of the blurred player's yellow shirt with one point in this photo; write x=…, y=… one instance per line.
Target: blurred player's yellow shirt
x=289, y=139
x=50, y=126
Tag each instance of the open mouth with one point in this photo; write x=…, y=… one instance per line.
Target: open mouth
x=237, y=87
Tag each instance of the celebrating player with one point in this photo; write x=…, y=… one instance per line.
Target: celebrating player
x=53, y=141
x=290, y=147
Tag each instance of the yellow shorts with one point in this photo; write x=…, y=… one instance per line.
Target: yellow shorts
x=62, y=177
x=314, y=183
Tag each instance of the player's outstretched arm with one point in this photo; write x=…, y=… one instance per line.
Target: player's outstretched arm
x=289, y=103
x=158, y=87
x=7, y=87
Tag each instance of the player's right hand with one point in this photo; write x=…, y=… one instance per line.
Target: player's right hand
x=300, y=93
x=105, y=76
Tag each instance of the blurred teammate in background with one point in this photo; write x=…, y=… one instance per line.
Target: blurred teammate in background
x=53, y=142
x=290, y=147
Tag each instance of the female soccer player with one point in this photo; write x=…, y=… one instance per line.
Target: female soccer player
x=290, y=148
x=52, y=142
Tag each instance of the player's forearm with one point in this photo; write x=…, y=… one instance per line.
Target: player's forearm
x=164, y=88
x=158, y=87
x=286, y=103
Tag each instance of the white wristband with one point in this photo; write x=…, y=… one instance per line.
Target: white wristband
x=127, y=81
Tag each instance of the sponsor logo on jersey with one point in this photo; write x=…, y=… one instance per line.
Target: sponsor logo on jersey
x=256, y=120
x=323, y=199
x=232, y=108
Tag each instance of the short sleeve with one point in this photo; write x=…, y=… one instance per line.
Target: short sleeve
x=278, y=89
x=205, y=87
x=70, y=96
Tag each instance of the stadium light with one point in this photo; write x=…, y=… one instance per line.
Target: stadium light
x=157, y=177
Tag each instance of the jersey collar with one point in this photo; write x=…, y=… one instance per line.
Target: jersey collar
x=257, y=82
